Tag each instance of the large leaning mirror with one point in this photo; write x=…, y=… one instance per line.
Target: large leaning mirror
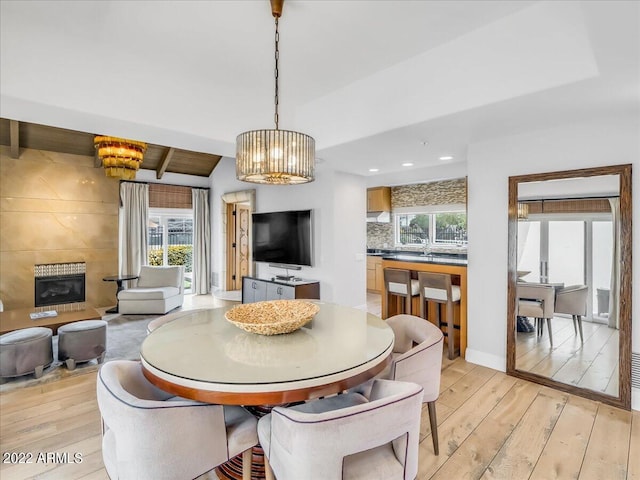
x=569, y=286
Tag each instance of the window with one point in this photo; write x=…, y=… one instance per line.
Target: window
x=439, y=228
x=571, y=249
x=170, y=240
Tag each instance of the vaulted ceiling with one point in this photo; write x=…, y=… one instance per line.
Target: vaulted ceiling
x=18, y=135
x=377, y=83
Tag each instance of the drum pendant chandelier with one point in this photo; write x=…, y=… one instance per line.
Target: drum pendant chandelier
x=276, y=157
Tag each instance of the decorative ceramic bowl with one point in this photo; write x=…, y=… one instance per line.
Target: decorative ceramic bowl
x=273, y=317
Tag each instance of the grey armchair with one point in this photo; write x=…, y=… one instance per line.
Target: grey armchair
x=416, y=357
x=572, y=300
x=148, y=434
x=347, y=436
x=538, y=301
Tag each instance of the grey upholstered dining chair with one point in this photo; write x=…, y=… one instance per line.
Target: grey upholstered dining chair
x=417, y=357
x=148, y=434
x=572, y=300
x=537, y=301
x=346, y=436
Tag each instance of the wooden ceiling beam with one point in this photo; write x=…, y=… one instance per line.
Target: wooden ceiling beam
x=14, y=134
x=164, y=163
x=97, y=161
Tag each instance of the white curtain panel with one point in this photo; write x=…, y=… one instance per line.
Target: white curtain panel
x=201, y=242
x=134, y=212
x=614, y=299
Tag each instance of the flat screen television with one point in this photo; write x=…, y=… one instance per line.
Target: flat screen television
x=282, y=237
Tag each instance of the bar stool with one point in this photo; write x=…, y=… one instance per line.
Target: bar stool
x=398, y=282
x=437, y=288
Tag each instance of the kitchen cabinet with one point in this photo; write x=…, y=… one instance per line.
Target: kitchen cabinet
x=258, y=290
x=374, y=274
x=379, y=199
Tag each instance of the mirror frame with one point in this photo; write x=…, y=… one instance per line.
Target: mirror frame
x=623, y=400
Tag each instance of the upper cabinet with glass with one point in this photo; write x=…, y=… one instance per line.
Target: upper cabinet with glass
x=570, y=281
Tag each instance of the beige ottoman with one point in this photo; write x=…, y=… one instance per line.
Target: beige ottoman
x=82, y=341
x=25, y=351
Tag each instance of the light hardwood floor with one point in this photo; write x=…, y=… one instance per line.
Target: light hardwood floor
x=592, y=364
x=490, y=426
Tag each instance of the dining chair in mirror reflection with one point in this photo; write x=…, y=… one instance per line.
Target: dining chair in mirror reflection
x=570, y=267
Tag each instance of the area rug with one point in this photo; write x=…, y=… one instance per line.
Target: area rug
x=230, y=295
x=125, y=334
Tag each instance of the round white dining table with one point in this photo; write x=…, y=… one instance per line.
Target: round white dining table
x=204, y=357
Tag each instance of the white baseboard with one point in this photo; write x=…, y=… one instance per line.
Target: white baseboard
x=635, y=399
x=489, y=360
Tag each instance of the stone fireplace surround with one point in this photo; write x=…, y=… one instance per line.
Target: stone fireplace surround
x=56, y=208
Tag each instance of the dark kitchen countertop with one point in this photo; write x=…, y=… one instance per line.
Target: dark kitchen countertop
x=417, y=257
x=433, y=259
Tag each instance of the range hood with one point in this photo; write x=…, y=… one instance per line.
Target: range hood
x=378, y=217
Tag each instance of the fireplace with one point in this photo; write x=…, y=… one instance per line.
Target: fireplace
x=59, y=284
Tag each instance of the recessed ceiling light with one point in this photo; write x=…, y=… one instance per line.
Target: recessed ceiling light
x=447, y=157
x=374, y=169
x=407, y=164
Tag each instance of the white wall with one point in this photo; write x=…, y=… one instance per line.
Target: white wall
x=607, y=141
x=338, y=201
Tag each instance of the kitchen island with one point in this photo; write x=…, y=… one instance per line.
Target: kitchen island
x=454, y=265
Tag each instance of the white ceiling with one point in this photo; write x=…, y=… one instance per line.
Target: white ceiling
x=370, y=80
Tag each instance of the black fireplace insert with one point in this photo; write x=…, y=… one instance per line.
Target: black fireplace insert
x=59, y=289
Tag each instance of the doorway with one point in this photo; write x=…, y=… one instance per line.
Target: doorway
x=572, y=250
x=238, y=237
x=237, y=208
x=170, y=240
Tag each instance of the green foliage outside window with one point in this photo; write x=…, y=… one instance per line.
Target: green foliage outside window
x=177, y=255
x=457, y=221
x=155, y=257
x=421, y=221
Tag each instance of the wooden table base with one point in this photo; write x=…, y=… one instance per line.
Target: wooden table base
x=232, y=470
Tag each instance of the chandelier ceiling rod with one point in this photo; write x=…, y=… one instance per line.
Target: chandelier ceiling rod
x=276, y=11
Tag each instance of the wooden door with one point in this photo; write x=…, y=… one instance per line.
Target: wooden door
x=238, y=250
x=242, y=252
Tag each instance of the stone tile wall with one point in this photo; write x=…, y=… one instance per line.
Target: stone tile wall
x=446, y=192
x=56, y=208
x=380, y=235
